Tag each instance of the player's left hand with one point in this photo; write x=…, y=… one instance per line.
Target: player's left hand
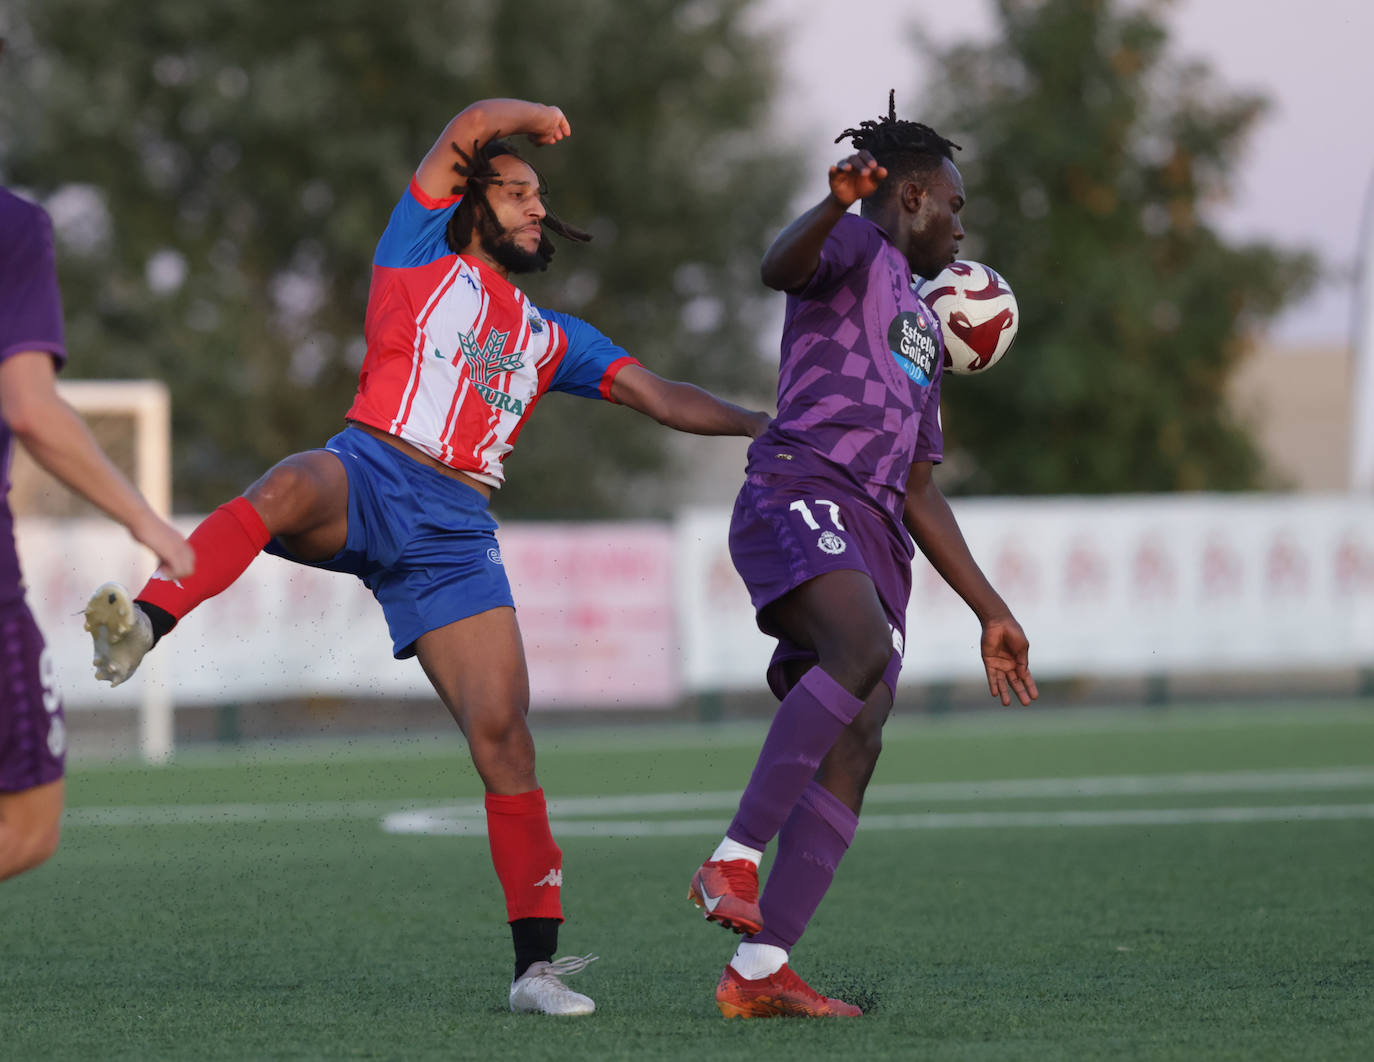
x=1005, y=648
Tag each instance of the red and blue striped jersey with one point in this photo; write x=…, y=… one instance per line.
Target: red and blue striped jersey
x=457, y=356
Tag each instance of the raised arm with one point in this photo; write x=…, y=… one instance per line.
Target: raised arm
x=792, y=259
x=58, y=439
x=1004, y=646
x=684, y=406
x=479, y=123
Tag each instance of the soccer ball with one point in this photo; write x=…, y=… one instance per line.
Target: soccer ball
x=977, y=313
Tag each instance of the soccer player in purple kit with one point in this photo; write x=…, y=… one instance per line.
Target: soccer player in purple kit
x=836, y=490
x=32, y=727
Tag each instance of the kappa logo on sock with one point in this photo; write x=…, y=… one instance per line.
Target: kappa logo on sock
x=554, y=877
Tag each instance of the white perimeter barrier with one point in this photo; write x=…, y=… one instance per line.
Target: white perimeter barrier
x=1119, y=586
x=594, y=604
x=636, y=614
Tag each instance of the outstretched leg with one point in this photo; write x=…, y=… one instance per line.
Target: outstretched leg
x=302, y=501
x=477, y=665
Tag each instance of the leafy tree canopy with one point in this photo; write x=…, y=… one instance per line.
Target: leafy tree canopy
x=1092, y=160
x=220, y=172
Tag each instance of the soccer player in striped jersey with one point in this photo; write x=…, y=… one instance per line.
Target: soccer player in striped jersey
x=837, y=490
x=33, y=739
x=457, y=359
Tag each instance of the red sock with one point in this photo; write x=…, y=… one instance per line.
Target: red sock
x=528, y=862
x=225, y=543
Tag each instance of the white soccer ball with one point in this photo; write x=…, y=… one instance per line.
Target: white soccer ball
x=977, y=312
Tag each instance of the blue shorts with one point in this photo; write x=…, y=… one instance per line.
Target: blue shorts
x=423, y=543
x=33, y=731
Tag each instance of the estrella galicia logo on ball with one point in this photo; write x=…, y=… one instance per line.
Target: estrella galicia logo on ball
x=911, y=338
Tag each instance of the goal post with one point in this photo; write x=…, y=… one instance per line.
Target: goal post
x=131, y=421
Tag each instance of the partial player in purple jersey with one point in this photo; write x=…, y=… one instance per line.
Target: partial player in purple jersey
x=32, y=729
x=837, y=489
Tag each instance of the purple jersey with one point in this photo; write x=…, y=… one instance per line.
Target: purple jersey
x=30, y=319
x=859, y=383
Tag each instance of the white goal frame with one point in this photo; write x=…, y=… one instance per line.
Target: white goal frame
x=149, y=404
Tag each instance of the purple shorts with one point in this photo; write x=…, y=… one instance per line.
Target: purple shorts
x=786, y=530
x=33, y=731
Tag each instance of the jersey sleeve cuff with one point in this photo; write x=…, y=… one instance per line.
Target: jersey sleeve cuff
x=613, y=370
x=428, y=201
x=55, y=348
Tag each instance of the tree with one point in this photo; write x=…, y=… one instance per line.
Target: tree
x=1091, y=160
x=220, y=173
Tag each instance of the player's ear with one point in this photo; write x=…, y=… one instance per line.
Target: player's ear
x=911, y=195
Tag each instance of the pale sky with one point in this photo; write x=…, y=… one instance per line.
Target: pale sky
x=1303, y=180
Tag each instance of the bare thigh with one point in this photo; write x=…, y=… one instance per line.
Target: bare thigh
x=303, y=501
x=477, y=665
x=839, y=617
x=30, y=822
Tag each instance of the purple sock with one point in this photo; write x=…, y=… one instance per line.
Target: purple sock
x=812, y=842
x=807, y=722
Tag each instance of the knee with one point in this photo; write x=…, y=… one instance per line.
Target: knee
x=864, y=741
x=502, y=739
x=859, y=665
x=25, y=851
x=289, y=496
x=849, y=765
x=44, y=846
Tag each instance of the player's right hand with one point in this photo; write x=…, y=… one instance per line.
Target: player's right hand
x=175, y=556
x=854, y=178
x=548, y=126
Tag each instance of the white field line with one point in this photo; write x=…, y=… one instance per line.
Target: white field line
x=468, y=817
x=437, y=820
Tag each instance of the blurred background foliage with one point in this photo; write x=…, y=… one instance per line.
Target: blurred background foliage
x=219, y=174
x=1091, y=159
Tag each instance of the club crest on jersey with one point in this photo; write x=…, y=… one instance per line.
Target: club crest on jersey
x=536, y=323
x=831, y=543
x=486, y=363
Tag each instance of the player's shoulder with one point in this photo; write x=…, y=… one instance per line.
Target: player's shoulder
x=20, y=217
x=859, y=236
x=857, y=227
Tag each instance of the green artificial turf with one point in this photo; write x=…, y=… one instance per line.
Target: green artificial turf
x=246, y=903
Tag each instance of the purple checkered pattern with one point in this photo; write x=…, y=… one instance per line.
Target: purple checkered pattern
x=33, y=730
x=859, y=380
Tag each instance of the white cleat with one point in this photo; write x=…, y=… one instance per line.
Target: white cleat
x=121, y=631
x=539, y=990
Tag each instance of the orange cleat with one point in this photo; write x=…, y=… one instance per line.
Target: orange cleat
x=727, y=891
x=781, y=995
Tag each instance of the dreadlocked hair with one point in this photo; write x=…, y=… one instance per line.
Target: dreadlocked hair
x=480, y=174
x=905, y=149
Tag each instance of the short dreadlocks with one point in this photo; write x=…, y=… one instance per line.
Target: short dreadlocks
x=481, y=175
x=905, y=149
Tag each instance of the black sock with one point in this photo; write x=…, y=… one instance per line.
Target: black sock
x=162, y=620
x=536, y=939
